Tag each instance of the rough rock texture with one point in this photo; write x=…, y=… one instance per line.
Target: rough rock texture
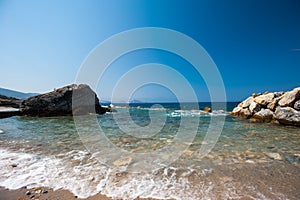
x=9, y=102
x=277, y=107
x=297, y=105
x=289, y=98
x=264, y=115
x=254, y=107
x=288, y=116
x=264, y=99
x=59, y=102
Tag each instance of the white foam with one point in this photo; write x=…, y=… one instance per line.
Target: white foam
x=80, y=173
x=191, y=113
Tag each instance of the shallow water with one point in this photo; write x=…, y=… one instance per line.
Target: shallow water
x=254, y=161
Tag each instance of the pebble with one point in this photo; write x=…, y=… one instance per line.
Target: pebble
x=14, y=165
x=28, y=193
x=274, y=156
x=44, y=191
x=123, y=161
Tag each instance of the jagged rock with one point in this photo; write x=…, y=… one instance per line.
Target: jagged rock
x=254, y=107
x=236, y=111
x=247, y=102
x=297, y=105
x=278, y=94
x=273, y=104
x=245, y=113
x=59, y=102
x=256, y=95
x=264, y=115
x=289, y=98
x=264, y=99
x=288, y=116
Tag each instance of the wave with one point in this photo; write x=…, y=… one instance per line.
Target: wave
x=185, y=113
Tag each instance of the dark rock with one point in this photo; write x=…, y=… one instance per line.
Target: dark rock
x=29, y=192
x=287, y=116
x=69, y=100
x=8, y=112
x=14, y=165
x=9, y=102
x=297, y=105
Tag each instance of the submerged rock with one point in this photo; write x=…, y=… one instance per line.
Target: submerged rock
x=69, y=100
x=274, y=156
x=123, y=161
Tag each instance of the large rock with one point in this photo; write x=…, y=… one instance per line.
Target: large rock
x=59, y=102
x=264, y=99
x=289, y=98
x=288, y=116
x=9, y=101
x=254, y=107
x=245, y=113
x=264, y=115
x=246, y=103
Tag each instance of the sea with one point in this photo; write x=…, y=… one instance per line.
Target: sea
x=153, y=150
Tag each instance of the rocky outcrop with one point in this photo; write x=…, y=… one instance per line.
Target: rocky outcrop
x=277, y=107
x=9, y=102
x=62, y=102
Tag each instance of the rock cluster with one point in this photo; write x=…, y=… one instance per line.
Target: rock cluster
x=61, y=102
x=9, y=102
x=277, y=107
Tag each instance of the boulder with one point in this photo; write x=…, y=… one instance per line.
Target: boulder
x=264, y=115
x=247, y=102
x=62, y=102
x=289, y=98
x=245, y=113
x=236, y=111
x=254, y=107
x=297, y=105
x=264, y=99
x=287, y=116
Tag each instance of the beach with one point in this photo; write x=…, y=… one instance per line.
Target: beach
x=248, y=160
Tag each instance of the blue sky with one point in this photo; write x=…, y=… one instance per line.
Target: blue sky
x=255, y=44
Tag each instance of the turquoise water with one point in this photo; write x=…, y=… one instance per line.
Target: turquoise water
x=254, y=161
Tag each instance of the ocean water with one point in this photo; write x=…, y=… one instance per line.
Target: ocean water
x=145, y=157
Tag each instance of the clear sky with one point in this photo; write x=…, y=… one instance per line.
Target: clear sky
x=255, y=44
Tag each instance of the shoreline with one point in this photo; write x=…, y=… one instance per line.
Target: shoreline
x=20, y=194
